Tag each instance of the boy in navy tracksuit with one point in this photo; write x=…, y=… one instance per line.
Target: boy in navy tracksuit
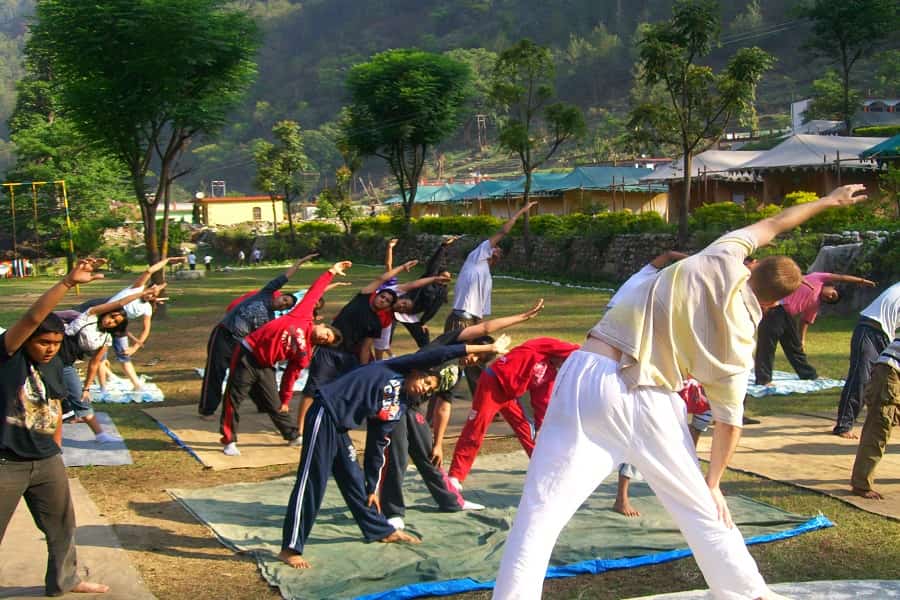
x=374, y=396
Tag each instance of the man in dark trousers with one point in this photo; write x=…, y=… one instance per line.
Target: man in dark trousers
x=31, y=390
x=290, y=338
x=248, y=316
x=374, y=396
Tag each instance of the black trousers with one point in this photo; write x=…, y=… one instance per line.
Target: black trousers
x=219, y=349
x=779, y=327
x=456, y=321
x=250, y=380
x=328, y=451
x=418, y=333
x=44, y=485
x=327, y=364
x=411, y=438
x=867, y=343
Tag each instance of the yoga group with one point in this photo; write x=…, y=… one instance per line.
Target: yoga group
x=672, y=353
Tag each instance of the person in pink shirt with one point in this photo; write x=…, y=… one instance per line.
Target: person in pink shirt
x=787, y=323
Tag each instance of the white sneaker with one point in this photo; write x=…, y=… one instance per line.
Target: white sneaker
x=107, y=438
x=297, y=441
x=472, y=505
x=397, y=523
x=231, y=449
x=455, y=483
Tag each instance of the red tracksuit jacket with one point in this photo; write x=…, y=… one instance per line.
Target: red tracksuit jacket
x=287, y=338
x=516, y=371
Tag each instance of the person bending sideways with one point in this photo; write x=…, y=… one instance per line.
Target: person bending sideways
x=31, y=390
x=616, y=401
x=245, y=318
x=882, y=398
x=374, y=396
x=290, y=338
x=530, y=367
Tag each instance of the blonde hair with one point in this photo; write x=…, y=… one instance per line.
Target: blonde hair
x=775, y=277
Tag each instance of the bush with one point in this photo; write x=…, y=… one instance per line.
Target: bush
x=795, y=198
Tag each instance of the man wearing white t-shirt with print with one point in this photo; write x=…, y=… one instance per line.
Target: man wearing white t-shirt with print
x=472, y=295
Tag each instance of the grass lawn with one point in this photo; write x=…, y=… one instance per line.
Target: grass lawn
x=179, y=558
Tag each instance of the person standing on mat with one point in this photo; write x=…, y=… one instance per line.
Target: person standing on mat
x=877, y=324
x=780, y=323
x=412, y=436
x=248, y=316
x=472, y=294
x=882, y=397
x=374, y=396
x=616, y=401
x=530, y=367
x=31, y=391
x=288, y=338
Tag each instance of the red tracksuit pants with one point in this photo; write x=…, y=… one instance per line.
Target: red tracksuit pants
x=490, y=398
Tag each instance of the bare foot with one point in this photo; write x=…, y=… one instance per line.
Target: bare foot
x=86, y=587
x=400, y=536
x=867, y=494
x=625, y=508
x=849, y=435
x=293, y=559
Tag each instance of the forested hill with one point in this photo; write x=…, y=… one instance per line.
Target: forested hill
x=309, y=45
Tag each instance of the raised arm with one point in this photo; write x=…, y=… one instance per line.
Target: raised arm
x=389, y=254
x=376, y=283
x=116, y=305
x=418, y=283
x=142, y=280
x=666, y=258
x=293, y=268
x=317, y=289
x=507, y=227
x=473, y=332
x=851, y=279
x=435, y=263
x=84, y=271
x=766, y=230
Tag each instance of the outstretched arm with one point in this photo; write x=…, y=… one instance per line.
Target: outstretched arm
x=293, y=268
x=405, y=267
x=666, y=258
x=507, y=227
x=724, y=441
x=851, y=279
x=473, y=332
x=435, y=263
x=155, y=267
x=389, y=254
x=116, y=305
x=766, y=230
x=418, y=283
x=84, y=271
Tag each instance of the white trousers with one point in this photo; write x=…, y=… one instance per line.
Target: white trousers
x=594, y=424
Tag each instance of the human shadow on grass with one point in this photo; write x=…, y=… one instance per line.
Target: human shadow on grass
x=152, y=539
x=226, y=512
x=16, y=592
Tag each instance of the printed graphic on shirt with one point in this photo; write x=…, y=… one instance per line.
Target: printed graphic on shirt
x=390, y=400
x=293, y=342
x=539, y=372
x=34, y=411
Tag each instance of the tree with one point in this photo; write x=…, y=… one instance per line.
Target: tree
x=280, y=167
x=829, y=97
x=532, y=127
x=887, y=74
x=403, y=103
x=844, y=31
x=162, y=72
x=334, y=202
x=701, y=103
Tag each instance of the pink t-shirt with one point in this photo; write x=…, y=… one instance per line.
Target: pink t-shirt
x=804, y=302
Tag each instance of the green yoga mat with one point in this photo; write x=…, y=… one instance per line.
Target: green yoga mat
x=459, y=551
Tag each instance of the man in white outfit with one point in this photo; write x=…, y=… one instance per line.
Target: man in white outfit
x=615, y=401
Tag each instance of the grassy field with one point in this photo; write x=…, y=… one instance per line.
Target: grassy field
x=179, y=558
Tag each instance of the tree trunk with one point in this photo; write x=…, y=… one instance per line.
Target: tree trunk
x=847, y=100
x=274, y=218
x=526, y=224
x=684, y=207
x=290, y=219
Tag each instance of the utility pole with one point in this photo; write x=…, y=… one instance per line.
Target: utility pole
x=481, y=122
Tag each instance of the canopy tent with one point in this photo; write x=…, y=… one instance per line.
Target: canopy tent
x=541, y=183
x=426, y=194
x=605, y=178
x=889, y=149
x=480, y=190
x=813, y=152
x=712, y=163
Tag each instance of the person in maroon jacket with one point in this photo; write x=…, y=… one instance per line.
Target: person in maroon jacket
x=530, y=367
x=288, y=338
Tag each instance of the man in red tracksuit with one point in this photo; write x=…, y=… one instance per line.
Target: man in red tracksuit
x=530, y=367
x=288, y=338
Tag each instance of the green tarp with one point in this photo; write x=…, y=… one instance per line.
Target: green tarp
x=462, y=548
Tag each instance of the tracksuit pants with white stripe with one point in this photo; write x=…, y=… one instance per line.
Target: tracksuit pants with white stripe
x=219, y=350
x=593, y=424
x=328, y=451
x=411, y=438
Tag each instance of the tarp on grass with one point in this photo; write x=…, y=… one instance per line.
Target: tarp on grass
x=459, y=551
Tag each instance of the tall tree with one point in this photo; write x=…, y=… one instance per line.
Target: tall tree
x=161, y=72
x=844, y=31
x=701, y=103
x=280, y=167
x=403, y=103
x=533, y=127
x=830, y=98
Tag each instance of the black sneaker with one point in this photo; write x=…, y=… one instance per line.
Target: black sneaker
x=750, y=421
